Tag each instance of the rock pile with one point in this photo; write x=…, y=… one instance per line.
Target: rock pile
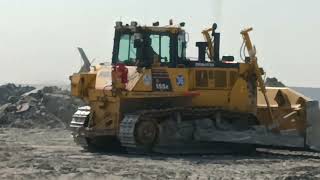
x=11, y=92
x=274, y=82
x=28, y=107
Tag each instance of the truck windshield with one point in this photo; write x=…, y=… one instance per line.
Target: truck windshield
x=127, y=51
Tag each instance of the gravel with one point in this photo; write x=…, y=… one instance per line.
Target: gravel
x=52, y=154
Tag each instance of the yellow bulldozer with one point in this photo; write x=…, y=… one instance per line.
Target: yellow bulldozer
x=152, y=98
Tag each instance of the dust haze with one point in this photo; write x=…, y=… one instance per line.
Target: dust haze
x=39, y=39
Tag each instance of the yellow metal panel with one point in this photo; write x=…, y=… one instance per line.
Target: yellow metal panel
x=239, y=97
x=144, y=82
x=156, y=94
x=179, y=79
x=233, y=76
x=291, y=113
x=221, y=79
x=81, y=83
x=211, y=98
x=292, y=95
x=244, y=68
x=75, y=85
x=104, y=79
x=215, y=78
x=106, y=114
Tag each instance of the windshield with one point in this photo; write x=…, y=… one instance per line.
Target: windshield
x=144, y=49
x=127, y=51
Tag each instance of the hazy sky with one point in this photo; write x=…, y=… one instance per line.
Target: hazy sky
x=38, y=38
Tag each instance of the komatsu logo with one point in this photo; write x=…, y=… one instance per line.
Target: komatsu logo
x=205, y=65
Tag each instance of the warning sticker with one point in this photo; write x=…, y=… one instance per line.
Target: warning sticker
x=147, y=80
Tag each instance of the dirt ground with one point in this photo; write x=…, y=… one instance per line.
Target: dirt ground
x=51, y=154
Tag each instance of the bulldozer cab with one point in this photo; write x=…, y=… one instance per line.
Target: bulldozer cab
x=144, y=46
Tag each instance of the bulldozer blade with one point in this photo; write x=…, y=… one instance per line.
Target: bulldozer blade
x=313, y=125
x=293, y=111
x=257, y=137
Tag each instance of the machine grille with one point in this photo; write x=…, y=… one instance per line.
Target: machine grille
x=220, y=79
x=202, y=78
x=233, y=78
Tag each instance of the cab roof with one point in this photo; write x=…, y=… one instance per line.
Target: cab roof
x=135, y=27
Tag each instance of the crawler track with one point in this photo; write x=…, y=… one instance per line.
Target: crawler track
x=126, y=135
x=77, y=126
x=177, y=144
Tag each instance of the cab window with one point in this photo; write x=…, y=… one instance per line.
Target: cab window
x=165, y=49
x=127, y=51
x=181, y=46
x=161, y=46
x=155, y=43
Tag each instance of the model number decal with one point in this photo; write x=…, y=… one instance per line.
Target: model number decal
x=161, y=80
x=162, y=86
